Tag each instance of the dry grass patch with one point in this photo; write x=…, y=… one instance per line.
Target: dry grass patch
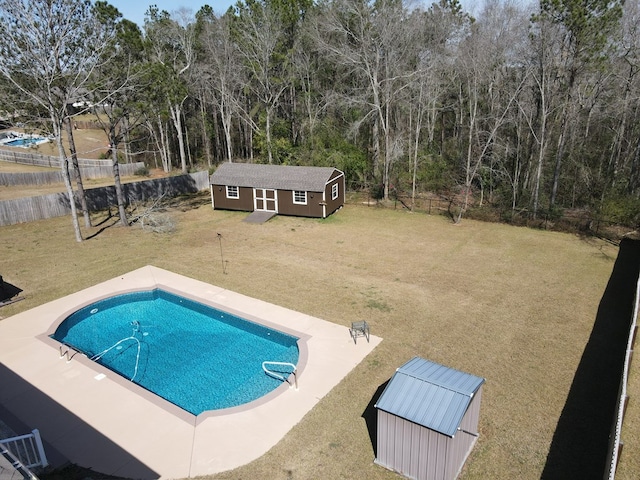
x=90, y=144
x=513, y=305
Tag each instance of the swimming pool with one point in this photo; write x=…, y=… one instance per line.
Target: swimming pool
x=25, y=141
x=98, y=419
x=193, y=355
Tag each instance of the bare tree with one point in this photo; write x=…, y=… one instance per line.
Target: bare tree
x=544, y=41
x=491, y=83
x=258, y=32
x=315, y=98
x=440, y=29
x=48, y=51
x=624, y=154
x=587, y=28
x=172, y=44
x=221, y=74
x=118, y=90
x=75, y=165
x=371, y=45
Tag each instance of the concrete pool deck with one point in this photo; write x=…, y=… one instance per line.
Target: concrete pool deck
x=96, y=419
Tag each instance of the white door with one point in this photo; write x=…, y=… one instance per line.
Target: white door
x=265, y=200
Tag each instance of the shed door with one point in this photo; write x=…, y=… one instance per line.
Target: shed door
x=265, y=200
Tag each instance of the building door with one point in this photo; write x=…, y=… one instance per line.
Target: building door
x=265, y=200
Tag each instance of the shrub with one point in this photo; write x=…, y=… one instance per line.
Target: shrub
x=622, y=210
x=552, y=214
x=377, y=191
x=142, y=172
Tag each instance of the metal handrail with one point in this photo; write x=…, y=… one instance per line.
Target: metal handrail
x=65, y=353
x=281, y=377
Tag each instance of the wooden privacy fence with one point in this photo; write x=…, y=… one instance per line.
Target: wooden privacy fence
x=30, y=158
x=87, y=124
x=21, y=210
x=48, y=178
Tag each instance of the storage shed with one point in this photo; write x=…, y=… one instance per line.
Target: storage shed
x=285, y=190
x=428, y=420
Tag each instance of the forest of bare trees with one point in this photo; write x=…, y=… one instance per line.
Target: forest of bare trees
x=531, y=108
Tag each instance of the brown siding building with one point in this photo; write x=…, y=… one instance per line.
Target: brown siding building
x=285, y=190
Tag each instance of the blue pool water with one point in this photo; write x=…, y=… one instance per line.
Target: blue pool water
x=192, y=355
x=21, y=142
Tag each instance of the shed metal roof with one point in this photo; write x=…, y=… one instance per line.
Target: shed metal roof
x=430, y=394
x=276, y=177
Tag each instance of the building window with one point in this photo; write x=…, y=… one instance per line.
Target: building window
x=334, y=191
x=300, y=197
x=232, y=191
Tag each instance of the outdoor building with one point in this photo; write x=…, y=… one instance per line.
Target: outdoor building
x=428, y=420
x=278, y=189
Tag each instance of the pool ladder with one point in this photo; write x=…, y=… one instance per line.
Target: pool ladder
x=66, y=353
x=279, y=376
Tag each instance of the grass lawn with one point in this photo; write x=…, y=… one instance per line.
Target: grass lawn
x=513, y=305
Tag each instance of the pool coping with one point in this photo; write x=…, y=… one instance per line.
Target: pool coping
x=96, y=420
x=165, y=404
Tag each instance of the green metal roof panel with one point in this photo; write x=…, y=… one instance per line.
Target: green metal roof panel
x=275, y=177
x=430, y=394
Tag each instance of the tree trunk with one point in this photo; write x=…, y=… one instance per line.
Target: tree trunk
x=122, y=212
x=386, y=178
x=469, y=172
x=127, y=130
x=559, y=155
x=188, y=144
x=76, y=171
x=541, y=152
x=205, y=131
x=176, y=116
x=225, y=118
x=416, y=142
x=634, y=175
x=162, y=146
x=268, y=135
x=620, y=133
x=64, y=166
x=226, y=126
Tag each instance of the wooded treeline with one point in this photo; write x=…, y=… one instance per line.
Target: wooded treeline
x=529, y=108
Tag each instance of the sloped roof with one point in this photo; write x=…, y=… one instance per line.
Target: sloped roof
x=430, y=394
x=276, y=177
